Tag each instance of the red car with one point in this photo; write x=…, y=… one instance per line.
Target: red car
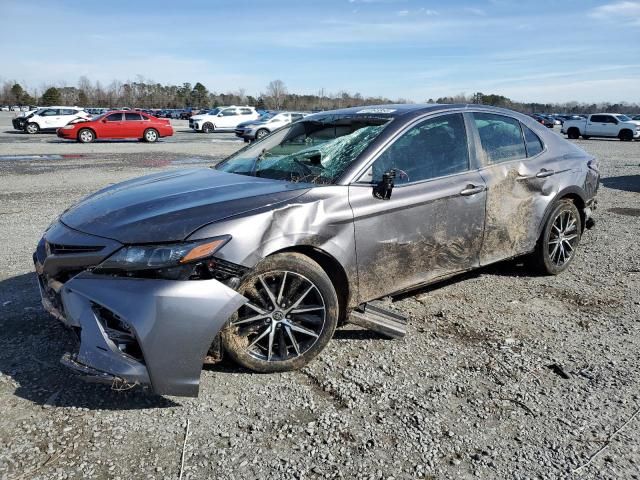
x=118, y=124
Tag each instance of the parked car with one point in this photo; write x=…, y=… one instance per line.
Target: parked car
x=635, y=117
x=265, y=124
x=20, y=120
x=222, y=118
x=264, y=255
x=5, y=108
x=611, y=125
x=543, y=120
x=118, y=124
x=52, y=118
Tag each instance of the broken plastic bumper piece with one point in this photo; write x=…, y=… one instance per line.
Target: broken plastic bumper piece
x=147, y=332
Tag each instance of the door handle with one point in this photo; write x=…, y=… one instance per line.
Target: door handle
x=544, y=173
x=472, y=189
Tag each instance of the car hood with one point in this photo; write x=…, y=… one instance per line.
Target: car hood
x=169, y=206
x=251, y=122
x=201, y=117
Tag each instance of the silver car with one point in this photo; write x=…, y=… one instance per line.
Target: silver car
x=264, y=255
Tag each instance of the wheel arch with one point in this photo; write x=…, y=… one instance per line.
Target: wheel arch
x=576, y=194
x=95, y=134
x=332, y=267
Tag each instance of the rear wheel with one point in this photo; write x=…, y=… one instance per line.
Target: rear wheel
x=150, y=135
x=32, y=128
x=626, y=135
x=86, y=136
x=208, y=127
x=290, y=317
x=573, y=133
x=558, y=242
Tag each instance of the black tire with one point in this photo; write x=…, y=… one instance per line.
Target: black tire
x=150, y=135
x=32, y=128
x=586, y=137
x=248, y=336
x=559, y=238
x=260, y=134
x=573, y=133
x=626, y=135
x=86, y=135
x=208, y=127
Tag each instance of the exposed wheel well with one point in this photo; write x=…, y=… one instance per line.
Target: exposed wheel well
x=579, y=203
x=334, y=270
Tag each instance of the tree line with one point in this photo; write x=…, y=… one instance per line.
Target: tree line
x=147, y=94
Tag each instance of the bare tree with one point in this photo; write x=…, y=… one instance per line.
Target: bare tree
x=276, y=92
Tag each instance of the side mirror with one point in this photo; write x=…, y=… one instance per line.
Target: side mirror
x=384, y=188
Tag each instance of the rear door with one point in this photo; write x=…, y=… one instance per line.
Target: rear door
x=598, y=125
x=519, y=175
x=432, y=224
x=228, y=119
x=134, y=125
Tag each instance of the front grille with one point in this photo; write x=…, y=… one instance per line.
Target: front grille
x=58, y=249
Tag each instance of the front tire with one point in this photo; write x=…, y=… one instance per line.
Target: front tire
x=260, y=134
x=86, y=136
x=208, y=127
x=626, y=135
x=559, y=239
x=150, y=135
x=291, y=315
x=32, y=128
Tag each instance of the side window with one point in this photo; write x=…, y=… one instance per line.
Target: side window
x=229, y=112
x=501, y=137
x=114, y=117
x=144, y=117
x=533, y=142
x=598, y=119
x=68, y=111
x=132, y=116
x=50, y=112
x=610, y=119
x=245, y=111
x=434, y=148
x=295, y=117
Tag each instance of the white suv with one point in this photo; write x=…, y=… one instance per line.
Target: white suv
x=52, y=118
x=222, y=118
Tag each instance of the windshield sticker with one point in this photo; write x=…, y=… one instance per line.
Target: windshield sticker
x=377, y=110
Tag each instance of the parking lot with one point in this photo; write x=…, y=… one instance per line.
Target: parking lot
x=502, y=374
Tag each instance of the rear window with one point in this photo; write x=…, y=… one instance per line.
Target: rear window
x=501, y=137
x=532, y=141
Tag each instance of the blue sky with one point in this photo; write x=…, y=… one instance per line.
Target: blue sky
x=583, y=50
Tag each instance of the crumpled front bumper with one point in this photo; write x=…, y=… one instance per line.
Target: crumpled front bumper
x=172, y=322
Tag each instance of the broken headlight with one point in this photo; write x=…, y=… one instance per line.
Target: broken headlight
x=176, y=261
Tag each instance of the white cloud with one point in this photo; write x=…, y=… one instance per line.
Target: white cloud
x=402, y=13
x=625, y=11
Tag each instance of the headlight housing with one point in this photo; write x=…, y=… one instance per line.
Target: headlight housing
x=176, y=261
x=67, y=127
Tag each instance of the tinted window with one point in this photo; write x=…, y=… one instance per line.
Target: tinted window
x=501, y=137
x=610, y=119
x=229, y=112
x=534, y=144
x=50, y=112
x=68, y=111
x=245, y=111
x=296, y=116
x=114, y=117
x=598, y=118
x=132, y=116
x=434, y=148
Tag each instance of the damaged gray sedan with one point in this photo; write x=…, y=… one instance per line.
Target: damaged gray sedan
x=263, y=256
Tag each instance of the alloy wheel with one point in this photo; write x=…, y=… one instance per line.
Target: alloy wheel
x=151, y=136
x=86, y=136
x=284, y=317
x=563, y=238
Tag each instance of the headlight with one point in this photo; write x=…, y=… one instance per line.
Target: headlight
x=67, y=127
x=173, y=261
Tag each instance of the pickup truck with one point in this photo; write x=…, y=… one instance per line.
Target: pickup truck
x=613, y=125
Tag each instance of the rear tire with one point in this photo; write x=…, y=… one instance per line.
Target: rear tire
x=208, y=127
x=150, y=135
x=260, y=134
x=291, y=315
x=32, y=128
x=86, y=136
x=573, y=133
x=626, y=135
x=559, y=239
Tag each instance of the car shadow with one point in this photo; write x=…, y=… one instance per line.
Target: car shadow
x=31, y=345
x=627, y=183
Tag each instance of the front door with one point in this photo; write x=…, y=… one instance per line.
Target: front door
x=112, y=126
x=432, y=224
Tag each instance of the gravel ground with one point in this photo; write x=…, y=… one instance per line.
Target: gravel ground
x=501, y=375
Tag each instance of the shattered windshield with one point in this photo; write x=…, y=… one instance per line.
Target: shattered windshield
x=312, y=151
